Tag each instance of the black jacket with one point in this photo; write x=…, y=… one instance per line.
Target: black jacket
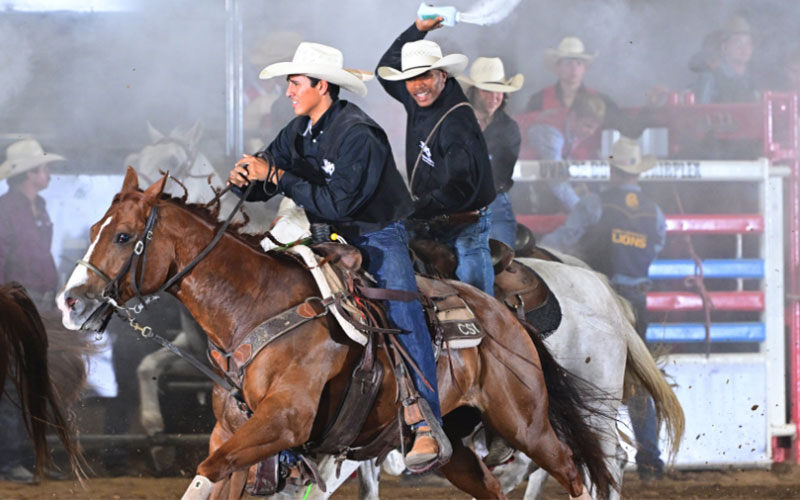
x=341, y=171
x=456, y=176
x=503, y=140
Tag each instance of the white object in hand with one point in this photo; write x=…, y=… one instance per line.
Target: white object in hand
x=449, y=13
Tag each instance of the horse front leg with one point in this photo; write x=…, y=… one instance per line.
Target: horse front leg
x=280, y=421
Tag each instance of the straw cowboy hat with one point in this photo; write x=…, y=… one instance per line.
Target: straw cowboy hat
x=626, y=155
x=276, y=46
x=487, y=73
x=418, y=57
x=323, y=62
x=570, y=47
x=23, y=156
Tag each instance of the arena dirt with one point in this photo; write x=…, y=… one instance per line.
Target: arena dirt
x=757, y=484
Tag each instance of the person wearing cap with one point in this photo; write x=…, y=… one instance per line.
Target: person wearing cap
x=335, y=162
x=730, y=80
x=487, y=89
x=26, y=234
x=619, y=232
x=447, y=161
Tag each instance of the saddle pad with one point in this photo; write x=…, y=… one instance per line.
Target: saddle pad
x=329, y=285
x=458, y=323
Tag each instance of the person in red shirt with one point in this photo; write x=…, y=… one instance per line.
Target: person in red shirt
x=26, y=232
x=570, y=61
x=25, y=236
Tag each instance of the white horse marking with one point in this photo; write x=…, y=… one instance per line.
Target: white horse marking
x=81, y=273
x=79, y=276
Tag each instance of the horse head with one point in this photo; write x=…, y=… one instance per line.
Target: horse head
x=175, y=152
x=104, y=278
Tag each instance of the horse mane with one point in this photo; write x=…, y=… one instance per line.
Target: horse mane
x=204, y=212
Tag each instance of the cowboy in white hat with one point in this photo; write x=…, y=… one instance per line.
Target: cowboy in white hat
x=448, y=169
x=336, y=162
x=569, y=61
x=26, y=235
x=26, y=232
x=487, y=89
x=619, y=232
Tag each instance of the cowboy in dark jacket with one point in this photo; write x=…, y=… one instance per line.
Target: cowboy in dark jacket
x=447, y=161
x=335, y=162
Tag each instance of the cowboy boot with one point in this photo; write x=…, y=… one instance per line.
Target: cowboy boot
x=425, y=449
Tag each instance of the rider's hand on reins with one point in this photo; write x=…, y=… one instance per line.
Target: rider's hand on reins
x=253, y=168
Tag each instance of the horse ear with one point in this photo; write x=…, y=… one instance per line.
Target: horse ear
x=131, y=182
x=194, y=134
x=153, y=193
x=155, y=134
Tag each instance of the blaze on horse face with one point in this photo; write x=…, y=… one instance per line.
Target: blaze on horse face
x=113, y=239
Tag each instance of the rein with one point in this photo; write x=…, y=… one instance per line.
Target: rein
x=110, y=293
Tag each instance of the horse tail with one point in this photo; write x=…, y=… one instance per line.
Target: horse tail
x=642, y=368
x=25, y=341
x=568, y=410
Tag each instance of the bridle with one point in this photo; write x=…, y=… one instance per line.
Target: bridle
x=136, y=264
x=138, y=258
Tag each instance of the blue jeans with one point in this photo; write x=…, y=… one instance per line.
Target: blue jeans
x=504, y=224
x=386, y=258
x=470, y=242
x=15, y=446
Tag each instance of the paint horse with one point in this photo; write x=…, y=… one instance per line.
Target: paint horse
x=293, y=386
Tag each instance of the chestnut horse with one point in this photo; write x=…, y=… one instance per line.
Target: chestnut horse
x=24, y=361
x=295, y=384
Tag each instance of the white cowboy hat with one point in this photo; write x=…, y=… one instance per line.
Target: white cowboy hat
x=626, y=155
x=570, y=47
x=23, y=156
x=323, y=62
x=487, y=73
x=418, y=57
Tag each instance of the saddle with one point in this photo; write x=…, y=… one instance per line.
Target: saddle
x=516, y=285
x=348, y=293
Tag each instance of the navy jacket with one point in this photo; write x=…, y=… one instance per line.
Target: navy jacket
x=503, y=140
x=454, y=174
x=628, y=236
x=341, y=171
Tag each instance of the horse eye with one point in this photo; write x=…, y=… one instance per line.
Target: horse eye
x=122, y=238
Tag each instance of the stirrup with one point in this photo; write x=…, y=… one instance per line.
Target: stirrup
x=437, y=433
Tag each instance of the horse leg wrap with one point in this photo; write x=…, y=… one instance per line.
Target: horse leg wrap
x=200, y=489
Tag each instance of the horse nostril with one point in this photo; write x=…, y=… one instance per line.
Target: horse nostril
x=71, y=301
